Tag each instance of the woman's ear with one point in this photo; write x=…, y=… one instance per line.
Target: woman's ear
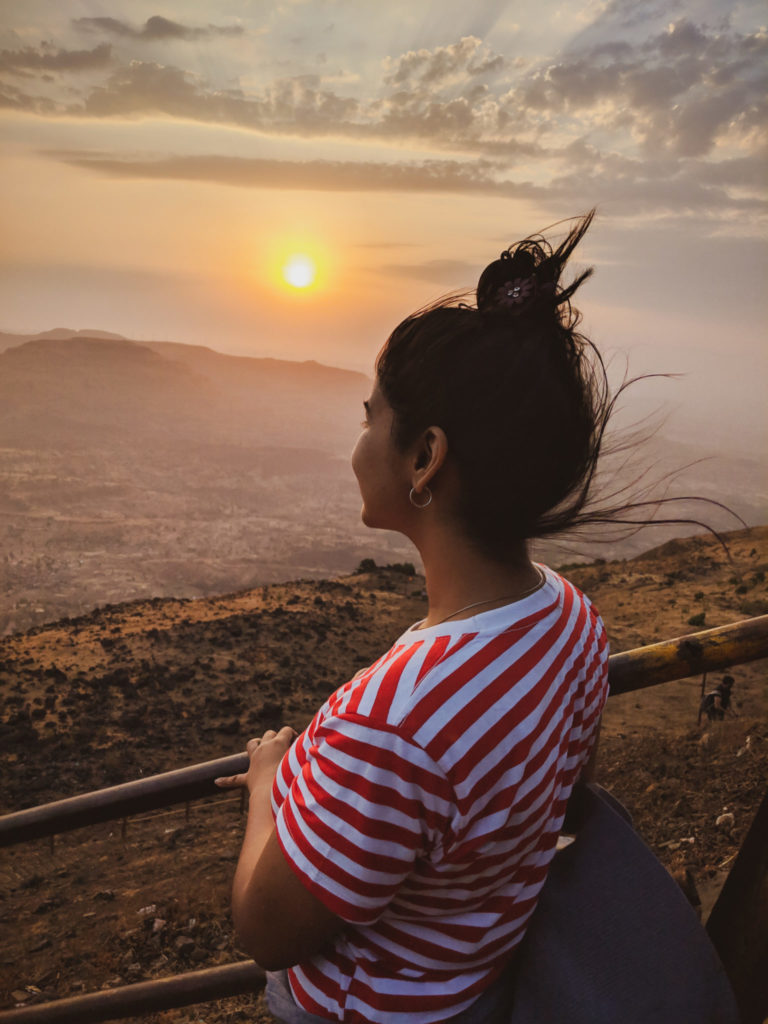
x=430, y=453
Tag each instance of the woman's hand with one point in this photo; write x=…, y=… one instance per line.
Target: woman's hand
x=266, y=753
x=278, y=921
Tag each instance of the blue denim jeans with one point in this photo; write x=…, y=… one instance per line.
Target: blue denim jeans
x=492, y=1007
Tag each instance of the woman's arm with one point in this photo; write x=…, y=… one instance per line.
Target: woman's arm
x=589, y=770
x=279, y=922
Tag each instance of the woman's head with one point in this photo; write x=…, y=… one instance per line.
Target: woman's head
x=520, y=395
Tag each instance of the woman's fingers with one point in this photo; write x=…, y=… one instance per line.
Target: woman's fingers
x=287, y=735
x=229, y=781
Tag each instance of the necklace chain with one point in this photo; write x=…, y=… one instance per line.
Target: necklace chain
x=513, y=597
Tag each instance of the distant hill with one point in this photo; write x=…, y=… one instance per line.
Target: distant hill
x=134, y=469
x=61, y=333
x=82, y=390
x=58, y=333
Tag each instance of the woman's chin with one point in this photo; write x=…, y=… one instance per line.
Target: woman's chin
x=371, y=520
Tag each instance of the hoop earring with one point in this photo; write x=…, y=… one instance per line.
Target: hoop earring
x=423, y=504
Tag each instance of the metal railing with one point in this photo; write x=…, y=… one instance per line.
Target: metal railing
x=144, y=997
x=694, y=654
x=712, y=649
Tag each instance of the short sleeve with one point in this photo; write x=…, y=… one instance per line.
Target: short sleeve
x=366, y=804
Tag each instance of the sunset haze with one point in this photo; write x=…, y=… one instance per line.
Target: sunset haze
x=161, y=165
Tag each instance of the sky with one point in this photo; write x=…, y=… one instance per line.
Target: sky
x=160, y=164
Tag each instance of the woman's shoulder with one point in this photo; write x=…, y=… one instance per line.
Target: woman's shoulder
x=430, y=670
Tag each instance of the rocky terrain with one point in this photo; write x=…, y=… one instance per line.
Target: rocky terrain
x=142, y=687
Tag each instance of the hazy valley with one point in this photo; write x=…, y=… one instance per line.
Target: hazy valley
x=143, y=469
x=132, y=470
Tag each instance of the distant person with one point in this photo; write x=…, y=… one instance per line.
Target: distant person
x=717, y=702
x=395, y=850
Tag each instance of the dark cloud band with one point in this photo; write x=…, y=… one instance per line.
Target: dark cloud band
x=637, y=188
x=154, y=29
x=320, y=175
x=51, y=58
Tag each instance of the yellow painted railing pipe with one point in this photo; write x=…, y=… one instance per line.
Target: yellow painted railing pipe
x=712, y=649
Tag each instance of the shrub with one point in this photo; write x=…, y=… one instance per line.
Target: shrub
x=366, y=565
x=406, y=568
x=756, y=606
x=697, y=620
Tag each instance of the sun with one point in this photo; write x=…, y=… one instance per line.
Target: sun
x=299, y=271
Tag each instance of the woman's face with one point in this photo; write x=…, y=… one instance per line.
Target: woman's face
x=382, y=471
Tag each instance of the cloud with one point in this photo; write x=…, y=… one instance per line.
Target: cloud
x=447, y=95
x=448, y=106
x=49, y=58
x=617, y=16
x=299, y=105
x=155, y=29
x=626, y=186
x=12, y=98
x=147, y=88
x=303, y=103
x=630, y=186
x=466, y=59
x=679, y=91
x=638, y=120
x=740, y=172
x=448, y=273
x=477, y=177
x=384, y=245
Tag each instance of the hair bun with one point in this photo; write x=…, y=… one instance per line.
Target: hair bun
x=512, y=284
x=525, y=278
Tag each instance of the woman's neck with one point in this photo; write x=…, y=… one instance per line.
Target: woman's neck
x=458, y=574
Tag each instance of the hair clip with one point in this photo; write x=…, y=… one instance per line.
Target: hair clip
x=515, y=293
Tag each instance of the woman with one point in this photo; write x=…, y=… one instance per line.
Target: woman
x=395, y=850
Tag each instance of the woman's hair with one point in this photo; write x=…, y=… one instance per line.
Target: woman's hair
x=522, y=396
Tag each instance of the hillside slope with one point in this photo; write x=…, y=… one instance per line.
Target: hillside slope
x=135, y=689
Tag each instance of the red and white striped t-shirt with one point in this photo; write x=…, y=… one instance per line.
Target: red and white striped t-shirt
x=423, y=803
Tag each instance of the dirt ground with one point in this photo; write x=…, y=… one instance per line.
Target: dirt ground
x=134, y=689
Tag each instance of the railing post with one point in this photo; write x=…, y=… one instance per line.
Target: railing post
x=701, y=696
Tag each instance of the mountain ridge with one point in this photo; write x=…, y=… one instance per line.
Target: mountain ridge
x=12, y=340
